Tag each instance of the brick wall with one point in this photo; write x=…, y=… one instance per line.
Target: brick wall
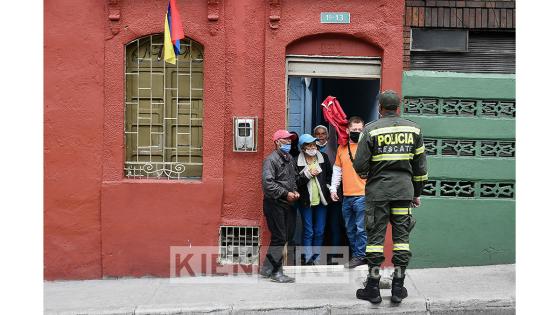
x=477, y=15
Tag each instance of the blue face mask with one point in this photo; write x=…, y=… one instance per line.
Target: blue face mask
x=285, y=148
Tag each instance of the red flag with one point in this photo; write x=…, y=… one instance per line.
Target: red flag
x=176, y=25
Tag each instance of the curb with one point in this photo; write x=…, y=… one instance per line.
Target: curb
x=414, y=306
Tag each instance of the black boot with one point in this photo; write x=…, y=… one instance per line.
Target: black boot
x=267, y=266
x=398, y=291
x=355, y=262
x=279, y=276
x=371, y=292
x=266, y=270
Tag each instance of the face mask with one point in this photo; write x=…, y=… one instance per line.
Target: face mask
x=285, y=148
x=311, y=152
x=355, y=136
x=322, y=147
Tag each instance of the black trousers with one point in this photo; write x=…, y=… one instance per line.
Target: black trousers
x=295, y=239
x=378, y=215
x=281, y=221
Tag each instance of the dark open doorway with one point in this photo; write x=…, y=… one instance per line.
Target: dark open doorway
x=357, y=97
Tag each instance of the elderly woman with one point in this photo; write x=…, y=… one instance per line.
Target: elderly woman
x=314, y=172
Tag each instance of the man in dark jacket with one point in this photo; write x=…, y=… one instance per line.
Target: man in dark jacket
x=280, y=191
x=391, y=156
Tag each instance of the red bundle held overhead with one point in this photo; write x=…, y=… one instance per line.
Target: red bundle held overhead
x=334, y=114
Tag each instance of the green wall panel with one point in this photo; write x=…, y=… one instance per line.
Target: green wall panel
x=454, y=231
x=463, y=232
x=471, y=168
x=452, y=84
x=465, y=127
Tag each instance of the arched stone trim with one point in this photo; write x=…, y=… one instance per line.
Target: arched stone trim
x=333, y=44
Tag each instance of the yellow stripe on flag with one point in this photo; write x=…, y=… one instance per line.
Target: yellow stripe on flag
x=168, y=52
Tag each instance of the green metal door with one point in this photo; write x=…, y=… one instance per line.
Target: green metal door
x=468, y=211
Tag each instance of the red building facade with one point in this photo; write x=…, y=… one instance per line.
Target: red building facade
x=98, y=223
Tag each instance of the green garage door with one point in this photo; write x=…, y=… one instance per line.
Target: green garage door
x=468, y=212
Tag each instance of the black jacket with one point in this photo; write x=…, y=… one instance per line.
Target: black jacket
x=278, y=176
x=303, y=179
x=391, y=154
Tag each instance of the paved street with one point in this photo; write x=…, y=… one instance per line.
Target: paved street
x=460, y=290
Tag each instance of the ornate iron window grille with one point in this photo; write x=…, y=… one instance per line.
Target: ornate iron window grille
x=163, y=110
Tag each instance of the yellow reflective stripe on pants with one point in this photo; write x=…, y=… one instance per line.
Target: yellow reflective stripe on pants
x=420, y=178
x=374, y=249
x=392, y=157
x=401, y=247
x=400, y=211
x=393, y=129
x=420, y=150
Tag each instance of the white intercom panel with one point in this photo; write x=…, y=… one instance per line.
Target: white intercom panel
x=245, y=134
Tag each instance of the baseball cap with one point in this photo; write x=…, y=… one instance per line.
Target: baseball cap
x=283, y=134
x=306, y=138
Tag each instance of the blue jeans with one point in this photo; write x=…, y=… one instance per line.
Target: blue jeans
x=353, y=211
x=313, y=219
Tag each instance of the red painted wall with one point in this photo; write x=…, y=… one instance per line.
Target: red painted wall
x=99, y=224
x=73, y=138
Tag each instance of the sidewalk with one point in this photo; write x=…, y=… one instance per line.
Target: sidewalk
x=460, y=290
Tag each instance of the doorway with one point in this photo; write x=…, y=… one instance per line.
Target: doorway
x=355, y=82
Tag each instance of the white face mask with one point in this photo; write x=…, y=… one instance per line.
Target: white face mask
x=311, y=152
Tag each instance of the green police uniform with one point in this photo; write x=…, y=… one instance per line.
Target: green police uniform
x=391, y=154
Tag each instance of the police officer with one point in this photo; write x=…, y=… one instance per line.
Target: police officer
x=391, y=156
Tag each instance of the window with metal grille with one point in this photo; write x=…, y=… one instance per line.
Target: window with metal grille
x=163, y=110
x=239, y=245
